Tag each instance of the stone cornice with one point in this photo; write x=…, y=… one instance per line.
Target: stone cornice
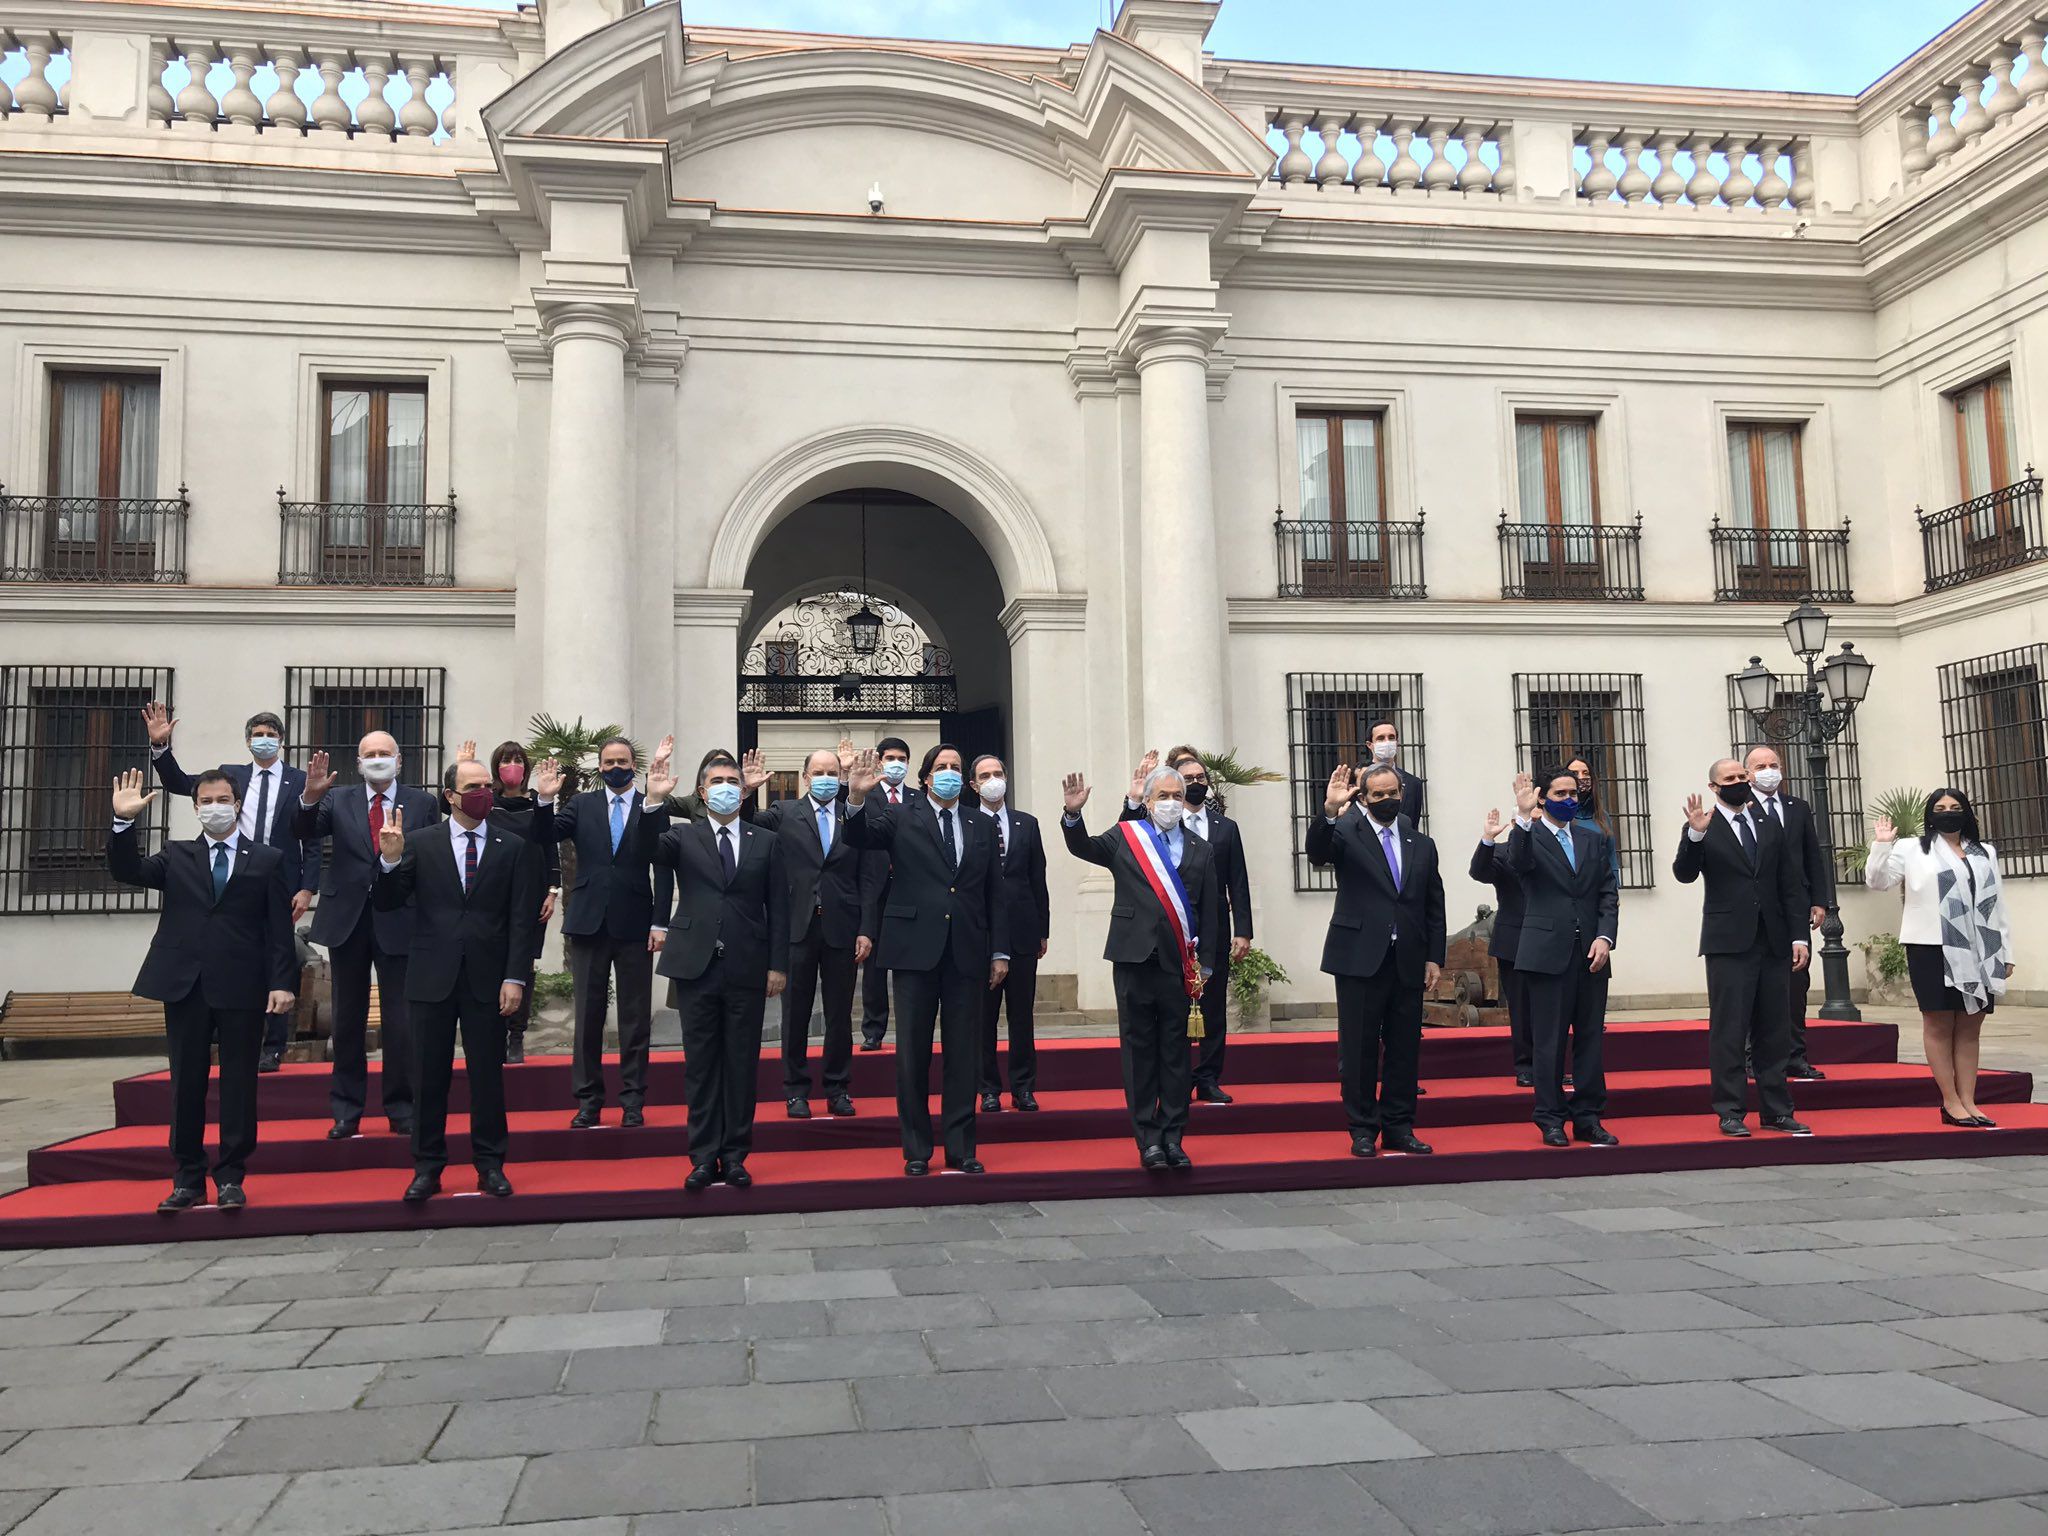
x=1030, y=612
x=711, y=607
x=431, y=607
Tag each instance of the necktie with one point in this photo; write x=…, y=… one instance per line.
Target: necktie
x=261, y=832
x=825, y=829
x=1777, y=811
x=1571, y=854
x=895, y=795
x=220, y=870
x=1393, y=848
x=1747, y=833
x=727, y=857
x=376, y=817
x=469, y=861
x=1002, y=842
x=946, y=831
x=618, y=822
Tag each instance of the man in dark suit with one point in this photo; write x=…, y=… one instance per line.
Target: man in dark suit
x=613, y=925
x=944, y=939
x=727, y=952
x=1803, y=852
x=1165, y=938
x=357, y=933
x=1020, y=855
x=475, y=891
x=826, y=875
x=895, y=789
x=1385, y=946
x=265, y=787
x=1753, y=927
x=1571, y=908
x=1386, y=752
x=221, y=956
x=1490, y=868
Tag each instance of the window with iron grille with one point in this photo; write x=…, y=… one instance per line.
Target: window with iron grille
x=1845, y=772
x=1595, y=718
x=1996, y=747
x=65, y=732
x=330, y=709
x=1330, y=716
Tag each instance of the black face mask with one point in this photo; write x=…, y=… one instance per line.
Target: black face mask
x=620, y=779
x=1197, y=792
x=1737, y=793
x=1946, y=821
x=1384, y=811
x=1586, y=797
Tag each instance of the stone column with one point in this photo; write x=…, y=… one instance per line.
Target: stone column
x=707, y=642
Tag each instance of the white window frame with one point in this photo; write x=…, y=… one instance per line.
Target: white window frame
x=1942, y=487
x=1397, y=456
x=432, y=371
x=35, y=375
x=1610, y=433
x=1816, y=454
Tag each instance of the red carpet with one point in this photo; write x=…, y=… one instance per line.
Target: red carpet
x=1286, y=1131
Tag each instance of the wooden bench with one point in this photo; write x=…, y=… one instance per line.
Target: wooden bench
x=78, y=1016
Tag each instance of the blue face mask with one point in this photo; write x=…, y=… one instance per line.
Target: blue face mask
x=946, y=783
x=722, y=799
x=620, y=779
x=263, y=748
x=1565, y=809
x=895, y=770
x=824, y=788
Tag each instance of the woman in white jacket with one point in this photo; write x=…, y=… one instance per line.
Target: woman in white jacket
x=1957, y=936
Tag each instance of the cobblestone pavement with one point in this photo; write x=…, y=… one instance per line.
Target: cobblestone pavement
x=1846, y=1349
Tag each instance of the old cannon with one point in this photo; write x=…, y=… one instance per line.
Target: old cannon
x=1468, y=992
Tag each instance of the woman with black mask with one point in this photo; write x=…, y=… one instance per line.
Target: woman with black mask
x=1592, y=814
x=1957, y=935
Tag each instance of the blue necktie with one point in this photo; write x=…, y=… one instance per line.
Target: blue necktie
x=618, y=822
x=825, y=827
x=220, y=870
x=1571, y=854
x=1393, y=849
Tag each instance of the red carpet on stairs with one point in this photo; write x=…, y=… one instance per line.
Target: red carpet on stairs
x=1286, y=1131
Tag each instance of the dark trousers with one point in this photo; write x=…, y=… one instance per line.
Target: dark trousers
x=945, y=1000
x=597, y=962
x=1215, y=1027
x=482, y=1027
x=1568, y=1015
x=810, y=960
x=1514, y=996
x=1152, y=1039
x=1018, y=994
x=721, y=1016
x=1379, y=1016
x=190, y=1028
x=1802, y=982
x=349, y=964
x=874, y=1002
x=1749, y=1012
x=277, y=1031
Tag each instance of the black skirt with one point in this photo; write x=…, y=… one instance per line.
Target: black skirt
x=1929, y=976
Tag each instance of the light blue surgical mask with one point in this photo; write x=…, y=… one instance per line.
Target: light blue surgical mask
x=896, y=770
x=722, y=799
x=263, y=748
x=825, y=788
x=946, y=783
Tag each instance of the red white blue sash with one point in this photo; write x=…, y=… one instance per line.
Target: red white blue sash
x=1149, y=848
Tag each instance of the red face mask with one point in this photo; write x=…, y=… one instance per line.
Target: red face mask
x=476, y=802
x=512, y=775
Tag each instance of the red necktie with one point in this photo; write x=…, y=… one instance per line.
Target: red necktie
x=469, y=861
x=376, y=817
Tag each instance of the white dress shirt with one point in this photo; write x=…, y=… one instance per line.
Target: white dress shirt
x=1732, y=814
x=1000, y=814
x=253, y=797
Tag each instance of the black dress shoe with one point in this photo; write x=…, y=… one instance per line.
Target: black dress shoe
x=1553, y=1136
x=1153, y=1159
x=1805, y=1072
x=632, y=1117
x=1594, y=1134
x=270, y=1061
x=1732, y=1125
x=423, y=1187
x=870, y=1045
x=966, y=1165
x=991, y=1104
x=1404, y=1141
x=915, y=1167
x=342, y=1130
x=1525, y=1080
x=700, y=1176
x=400, y=1128
x=587, y=1119
x=492, y=1181
x=1421, y=1092
x=179, y=1199
x=797, y=1107
x=1984, y=1122
x=1176, y=1157
x=231, y=1197
x=737, y=1176
x=841, y=1104
x=1967, y=1122
x=1787, y=1126
x=515, y=1049
x=1026, y=1101
x=1364, y=1146
x=1211, y=1094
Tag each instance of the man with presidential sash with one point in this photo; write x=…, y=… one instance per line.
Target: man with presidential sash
x=1166, y=932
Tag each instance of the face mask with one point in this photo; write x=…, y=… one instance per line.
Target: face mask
x=1946, y=821
x=1384, y=811
x=722, y=799
x=218, y=819
x=1734, y=794
x=1166, y=814
x=1383, y=751
x=1562, y=810
x=1586, y=797
x=377, y=770
x=946, y=783
x=1768, y=780
x=896, y=770
x=475, y=802
x=825, y=788
x=263, y=748
x=618, y=778
x=512, y=775
x=993, y=790
x=1197, y=793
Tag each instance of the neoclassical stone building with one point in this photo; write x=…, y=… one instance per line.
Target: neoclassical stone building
x=387, y=364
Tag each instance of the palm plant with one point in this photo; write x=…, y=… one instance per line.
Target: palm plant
x=1904, y=808
x=573, y=746
x=1226, y=770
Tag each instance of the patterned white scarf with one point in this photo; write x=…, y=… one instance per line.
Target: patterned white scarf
x=1976, y=952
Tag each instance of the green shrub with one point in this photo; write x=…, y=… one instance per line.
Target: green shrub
x=552, y=986
x=1250, y=977
x=1885, y=955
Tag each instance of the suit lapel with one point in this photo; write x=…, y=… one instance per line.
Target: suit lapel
x=454, y=865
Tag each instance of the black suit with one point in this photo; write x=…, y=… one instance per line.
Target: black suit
x=1152, y=1003
x=942, y=924
x=724, y=939
x=466, y=943
x=1029, y=903
x=1233, y=881
x=1810, y=868
x=212, y=964
x=874, y=975
x=1411, y=796
x=1754, y=912
x=516, y=814
x=826, y=897
x=1489, y=867
x=1382, y=934
x=358, y=935
x=606, y=924
x=1567, y=904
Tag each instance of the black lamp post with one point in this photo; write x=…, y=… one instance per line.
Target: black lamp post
x=1845, y=677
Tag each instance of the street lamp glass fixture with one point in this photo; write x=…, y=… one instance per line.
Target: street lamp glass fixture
x=1755, y=686
x=1806, y=630
x=1848, y=677
x=865, y=630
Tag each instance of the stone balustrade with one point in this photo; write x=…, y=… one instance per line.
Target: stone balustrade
x=27, y=59
x=1705, y=170
x=1339, y=149
x=1996, y=83
x=197, y=84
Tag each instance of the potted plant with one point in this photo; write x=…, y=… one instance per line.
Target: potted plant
x=1249, y=980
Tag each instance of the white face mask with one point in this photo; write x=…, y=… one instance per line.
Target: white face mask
x=993, y=790
x=218, y=819
x=1768, y=779
x=896, y=770
x=1166, y=814
x=377, y=770
x=1383, y=751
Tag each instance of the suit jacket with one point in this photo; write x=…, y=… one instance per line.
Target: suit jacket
x=1411, y=796
x=518, y=813
x=342, y=817
x=476, y=939
x=829, y=888
x=933, y=910
x=1743, y=894
x=1566, y=904
x=611, y=894
x=1024, y=890
x=1803, y=853
x=749, y=917
x=301, y=856
x=1233, y=879
x=236, y=950
x=1489, y=867
x=1140, y=932
x=1372, y=914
